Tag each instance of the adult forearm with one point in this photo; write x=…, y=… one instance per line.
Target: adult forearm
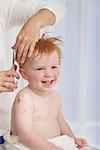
x=43, y=18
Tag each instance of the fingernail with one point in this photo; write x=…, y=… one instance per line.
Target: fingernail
x=29, y=55
x=22, y=62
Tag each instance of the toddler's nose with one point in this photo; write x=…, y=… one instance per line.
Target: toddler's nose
x=47, y=74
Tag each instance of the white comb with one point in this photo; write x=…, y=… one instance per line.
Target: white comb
x=13, y=63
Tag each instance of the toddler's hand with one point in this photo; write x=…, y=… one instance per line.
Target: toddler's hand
x=80, y=142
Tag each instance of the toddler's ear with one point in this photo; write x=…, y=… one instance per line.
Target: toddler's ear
x=23, y=74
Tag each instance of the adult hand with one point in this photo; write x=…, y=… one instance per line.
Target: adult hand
x=26, y=40
x=7, y=83
x=30, y=33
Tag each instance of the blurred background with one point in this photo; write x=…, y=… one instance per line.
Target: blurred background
x=80, y=71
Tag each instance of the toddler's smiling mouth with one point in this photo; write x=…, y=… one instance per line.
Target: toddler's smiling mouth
x=48, y=82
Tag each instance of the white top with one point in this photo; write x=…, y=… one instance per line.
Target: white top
x=16, y=12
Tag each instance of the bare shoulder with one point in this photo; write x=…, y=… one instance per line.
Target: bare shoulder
x=23, y=96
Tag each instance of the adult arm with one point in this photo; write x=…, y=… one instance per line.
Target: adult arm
x=39, y=14
x=17, y=12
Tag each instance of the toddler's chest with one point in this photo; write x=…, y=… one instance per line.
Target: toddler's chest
x=45, y=110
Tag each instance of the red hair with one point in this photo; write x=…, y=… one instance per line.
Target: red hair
x=46, y=46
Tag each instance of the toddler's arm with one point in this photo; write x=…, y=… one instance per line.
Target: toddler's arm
x=65, y=129
x=23, y=112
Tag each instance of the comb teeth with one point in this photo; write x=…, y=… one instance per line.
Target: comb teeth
x=13, y=59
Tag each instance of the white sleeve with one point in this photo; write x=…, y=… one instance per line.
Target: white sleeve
x=58, y=7
x=16, y=12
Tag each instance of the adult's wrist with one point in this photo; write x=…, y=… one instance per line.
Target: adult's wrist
x=43, y=18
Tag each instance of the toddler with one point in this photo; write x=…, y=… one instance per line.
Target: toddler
x=37, y=112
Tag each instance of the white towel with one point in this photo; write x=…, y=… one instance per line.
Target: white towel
x=64, y=142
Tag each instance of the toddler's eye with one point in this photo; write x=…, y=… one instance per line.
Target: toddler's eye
x=54, y=67
x=39, y=68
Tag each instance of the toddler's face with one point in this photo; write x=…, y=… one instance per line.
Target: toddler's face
x=43, y=72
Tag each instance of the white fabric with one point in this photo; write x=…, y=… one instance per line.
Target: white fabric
x=64, y=142
x=15, y=13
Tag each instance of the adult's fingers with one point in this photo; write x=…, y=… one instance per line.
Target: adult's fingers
x=4, y=89
x=9, y=85
x=25, y=52
x=31, y=49
x=11, y=73
x=20, y=47
x=18, y=40
x=9, y=79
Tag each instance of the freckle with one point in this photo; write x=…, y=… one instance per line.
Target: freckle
x=18, y=100
x=24, y=111
x=20, y=96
